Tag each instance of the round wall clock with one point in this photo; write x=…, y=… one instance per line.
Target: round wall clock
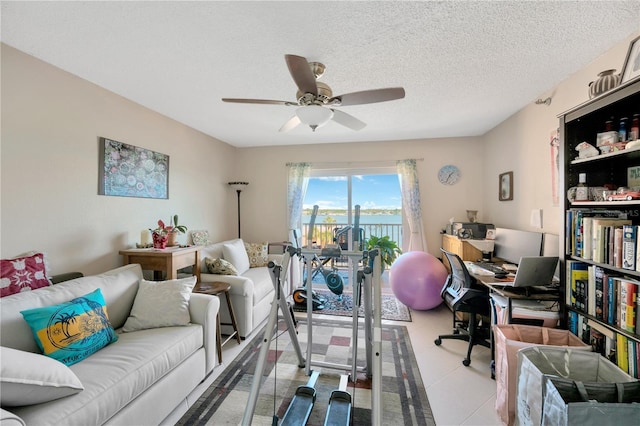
x=449, y=174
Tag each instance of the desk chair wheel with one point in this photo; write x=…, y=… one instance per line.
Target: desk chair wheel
x=466, y=362
x=438, y=342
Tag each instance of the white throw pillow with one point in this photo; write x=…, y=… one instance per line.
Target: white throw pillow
x=234, y=252
x=29, y=378
x=161, y=304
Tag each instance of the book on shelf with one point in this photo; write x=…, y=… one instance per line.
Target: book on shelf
x=609, y=246
x=612, y=297
x=600, y=239
x=575, y=239
x=631, y=355
x=577, y=277
x=638, y=315
x=587, y=238
x=573, y=322
x=598, y=341
x=629, y=243
x=591, y=291
x=628, y=304
x=598, y=292
x=605, y=295
x=617, y=244
x=622, y=352
x=569, y=247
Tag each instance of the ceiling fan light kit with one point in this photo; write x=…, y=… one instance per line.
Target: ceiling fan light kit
x=314, y=116
x=314, y=98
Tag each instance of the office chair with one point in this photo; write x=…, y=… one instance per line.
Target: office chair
x=459, y=294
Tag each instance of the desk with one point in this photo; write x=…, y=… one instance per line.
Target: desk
x=466, y=249
x=543, y=294
x=513, y=293
x=167, y=260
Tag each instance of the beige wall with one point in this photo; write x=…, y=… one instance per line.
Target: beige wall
x=265, y=169
x=51, y=122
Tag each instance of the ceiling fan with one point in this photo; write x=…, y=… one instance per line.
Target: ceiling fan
x=316, y=101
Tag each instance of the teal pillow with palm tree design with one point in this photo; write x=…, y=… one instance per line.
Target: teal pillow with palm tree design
x=71, y=331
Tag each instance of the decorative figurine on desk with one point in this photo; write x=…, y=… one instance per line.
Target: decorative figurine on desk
x=472, y=215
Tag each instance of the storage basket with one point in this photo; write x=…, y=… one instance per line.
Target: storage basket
x=567, y=402
x=508, y=339
x=553, y=383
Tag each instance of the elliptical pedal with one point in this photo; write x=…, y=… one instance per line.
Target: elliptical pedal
x=339, y=409
x=301, y=405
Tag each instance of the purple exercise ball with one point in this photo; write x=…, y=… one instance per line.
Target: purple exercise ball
x=416, y=278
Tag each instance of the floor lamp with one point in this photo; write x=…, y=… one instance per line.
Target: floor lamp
x=238, y=186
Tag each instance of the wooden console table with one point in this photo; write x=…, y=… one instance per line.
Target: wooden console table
x=167, y=260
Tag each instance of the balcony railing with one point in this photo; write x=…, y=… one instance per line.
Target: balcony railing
x=323, y=233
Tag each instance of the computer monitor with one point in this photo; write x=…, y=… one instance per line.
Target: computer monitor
x=512, y=244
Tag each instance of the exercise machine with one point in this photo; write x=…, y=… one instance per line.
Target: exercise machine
x=331, y=276
x=368, y=292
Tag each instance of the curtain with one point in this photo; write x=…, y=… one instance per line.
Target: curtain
x=408, y=175
x=296, y=188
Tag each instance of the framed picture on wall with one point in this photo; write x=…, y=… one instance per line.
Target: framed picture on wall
x=505, y=186
x=131, y=171
x=631, y=67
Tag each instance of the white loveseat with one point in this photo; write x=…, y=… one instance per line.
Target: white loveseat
x=251, y=290
x=137, y=380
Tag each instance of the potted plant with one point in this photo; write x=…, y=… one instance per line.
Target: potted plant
x=175, y=230
x=389, y=250
x=160, y=235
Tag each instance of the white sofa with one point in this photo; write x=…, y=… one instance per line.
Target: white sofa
x=137, y=380
x=251, y=291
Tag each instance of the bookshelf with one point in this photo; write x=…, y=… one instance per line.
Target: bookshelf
x=600, y=251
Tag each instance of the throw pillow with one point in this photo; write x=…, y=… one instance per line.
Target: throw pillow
x=200, y=238
x=234, y=252
x=23, y=273
x=71, y=331
x=161, y=304
x=29, y=378
x=219, y=267
x=258, y=254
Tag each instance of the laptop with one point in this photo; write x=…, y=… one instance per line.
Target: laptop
x=534, y=271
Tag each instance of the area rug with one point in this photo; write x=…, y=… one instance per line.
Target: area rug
x=392, y=308
x=404, y=397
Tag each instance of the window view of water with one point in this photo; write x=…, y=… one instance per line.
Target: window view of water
x=395, y=219
x=378, y=196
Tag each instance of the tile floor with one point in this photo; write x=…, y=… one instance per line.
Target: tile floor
x=458, y=395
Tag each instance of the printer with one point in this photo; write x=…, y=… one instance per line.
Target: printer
x=473, y=230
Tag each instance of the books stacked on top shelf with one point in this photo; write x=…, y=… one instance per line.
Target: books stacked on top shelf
x=596, y=235
x=618, y=348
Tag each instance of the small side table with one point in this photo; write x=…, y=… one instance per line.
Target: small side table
x=215, y=289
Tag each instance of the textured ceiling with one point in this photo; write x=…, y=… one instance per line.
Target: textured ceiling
x=465, y=65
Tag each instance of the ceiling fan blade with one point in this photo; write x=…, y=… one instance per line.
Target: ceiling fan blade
x=347, y=120
x=301, y=73
x=290, y=124
x=369, y=96
x=258, y=101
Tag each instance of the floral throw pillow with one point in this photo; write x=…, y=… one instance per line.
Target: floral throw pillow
x=23, y=274
x=258, y=254
x=200, y=238
x=220, y=266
